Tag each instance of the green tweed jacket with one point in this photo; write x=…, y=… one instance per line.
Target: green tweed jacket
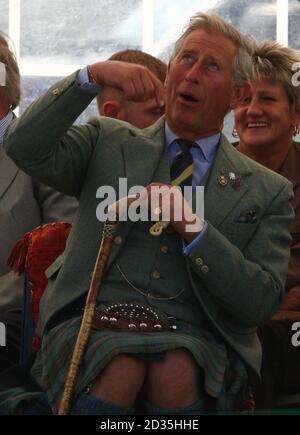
x=237, y=270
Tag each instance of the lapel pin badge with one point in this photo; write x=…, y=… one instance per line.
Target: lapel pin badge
x=235, y=180
x=222, y=179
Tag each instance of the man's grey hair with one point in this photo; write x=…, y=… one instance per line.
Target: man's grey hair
x=13, y=81
x=211, y=22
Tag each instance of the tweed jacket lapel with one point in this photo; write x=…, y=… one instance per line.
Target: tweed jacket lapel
x=144, y=156
x=220, y=200
x=8, y=172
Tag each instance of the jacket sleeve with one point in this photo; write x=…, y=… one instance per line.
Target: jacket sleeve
x=45, y=145
x=54, y=206
x=248, y=285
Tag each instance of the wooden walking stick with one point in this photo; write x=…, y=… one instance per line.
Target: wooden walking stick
x=90, y=306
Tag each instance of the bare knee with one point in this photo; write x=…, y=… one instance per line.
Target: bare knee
x=121, y=380
x=174, y=382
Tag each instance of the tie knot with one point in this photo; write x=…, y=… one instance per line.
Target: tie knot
x=186, y=145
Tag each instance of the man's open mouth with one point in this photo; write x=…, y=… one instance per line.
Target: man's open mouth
x=189, y=98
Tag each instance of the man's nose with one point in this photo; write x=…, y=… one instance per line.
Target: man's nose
x=194, y=73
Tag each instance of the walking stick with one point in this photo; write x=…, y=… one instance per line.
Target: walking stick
x=90, y=305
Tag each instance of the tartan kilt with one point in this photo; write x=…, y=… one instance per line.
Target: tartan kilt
x=53, y=359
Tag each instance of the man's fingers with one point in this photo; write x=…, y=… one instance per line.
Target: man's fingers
x=141, y=86
x=129, y=90
x=159, y=93
x=136, y=81
x=146, y=86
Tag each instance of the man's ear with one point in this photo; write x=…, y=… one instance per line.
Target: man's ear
x=111, y=109
x=239, y=94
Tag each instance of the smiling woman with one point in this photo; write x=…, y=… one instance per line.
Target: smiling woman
x=266, y=122
x=269, y=115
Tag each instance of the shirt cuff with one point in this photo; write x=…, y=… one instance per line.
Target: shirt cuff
x=82, y=80
x=187, y=247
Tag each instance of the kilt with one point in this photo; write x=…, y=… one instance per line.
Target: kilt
x=53, y=359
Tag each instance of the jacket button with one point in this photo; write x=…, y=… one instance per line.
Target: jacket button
x=118, y=240
x=199, y=261
x=164, y=249
x=205, y=269
x=55, y=91
x=156, y=275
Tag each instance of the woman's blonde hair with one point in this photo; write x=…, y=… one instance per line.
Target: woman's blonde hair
x=13, y=81
x=275, y=62
x=211, y=22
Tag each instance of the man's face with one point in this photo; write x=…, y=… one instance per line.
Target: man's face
x=265, y=116
x=141, y=114
x=199, y=85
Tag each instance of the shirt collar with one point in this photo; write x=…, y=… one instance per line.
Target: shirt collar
x=4, y=123
x=208, y=145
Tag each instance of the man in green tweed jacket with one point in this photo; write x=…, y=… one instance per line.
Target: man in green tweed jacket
x=216, y=284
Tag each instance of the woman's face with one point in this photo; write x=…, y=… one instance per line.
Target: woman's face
x=265, y=116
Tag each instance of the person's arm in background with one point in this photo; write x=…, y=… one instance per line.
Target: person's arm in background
x=54, y=205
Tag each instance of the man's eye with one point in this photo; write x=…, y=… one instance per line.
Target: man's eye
x=269, y=98
x=247, y=100
x=213, y=66
x=187, y=58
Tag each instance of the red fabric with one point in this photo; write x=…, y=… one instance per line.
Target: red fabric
x=17, y=258
x=251, y=401
x=37, y=251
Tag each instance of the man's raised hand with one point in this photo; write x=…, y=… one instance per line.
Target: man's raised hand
x=137, y=82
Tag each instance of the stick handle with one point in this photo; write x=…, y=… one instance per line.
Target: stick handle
x=157, y=229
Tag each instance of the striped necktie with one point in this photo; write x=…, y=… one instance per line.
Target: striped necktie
x=182, y=167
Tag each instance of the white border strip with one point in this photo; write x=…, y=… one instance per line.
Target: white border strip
x=148, y=25
x=283, y=22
